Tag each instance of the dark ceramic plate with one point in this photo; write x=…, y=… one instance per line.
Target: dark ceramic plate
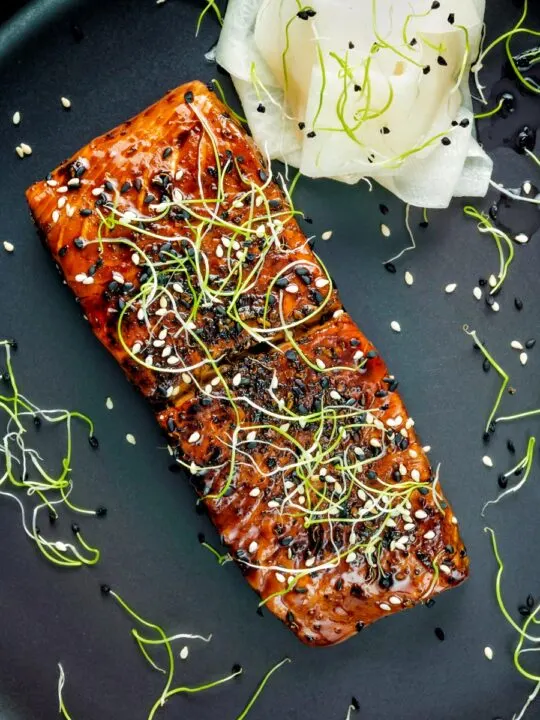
x=132, y=52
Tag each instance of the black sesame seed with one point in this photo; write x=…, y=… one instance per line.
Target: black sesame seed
x=385, y=130
x=311, y=134
x=311, y=12
x=451, y=18
x=454, y=123
x=75, y=528
x=413, y=42
x=486, y=437
x=281, y=283
x=511, y=447
x=137, y=183
x=357, y=88
x=486, y=365
x=372, y=354
x=188, y=97
x=236, y=668
x=53, y=517
x=359, y=626
x=390, y=267
x=291, y=355
x=302, y=14
x=301, y=125
x=502, y=481
x=105, y=589
x=125, y=187
x=530, y=344
x=465, y=123
x=101, y=511
x=482, y=282
x=446, y=141
x=442, y=61
x=430, y=603
x=261, y=108
x=530, y=601
x=263, y=175
x=167, y=152
x=426, y=70
x=423, y=490
x=435, y=5
x=518, y=304
x=63, y=250
x=384, y=209
x=524, y=611
x=355, y=704
x=439, y=632
x=108, y=186
x=424, y=224
x=85, y=212
x=94, y=442
x=37, y=422
x=149, y=198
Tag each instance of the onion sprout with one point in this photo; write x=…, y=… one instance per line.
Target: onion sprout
x=525, y=464
x=260, y=688
x=412, y=246
x=486, y=227
x=500, y=371
x=219, y=87
x=61, y=682
x=518, y=416
x=210, y=5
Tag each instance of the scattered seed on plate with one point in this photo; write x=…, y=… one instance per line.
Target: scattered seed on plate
x=488, y=652
x=409, y=279
x=8, y=247
x=492, y=281
x=530, y=344
x=131, y=439
x=19, y=151
x=327, y=235
x=66, y=102
x=488, y=462
x=396, y=327
x=477, y=293
x=17, y=118
x=385, y=230
x=516, y=345
x=495, y=307
x=450, y=288
x=522, y=238
x=27, y=150
x=523, y=358
x=109, y=403
x=184, y=652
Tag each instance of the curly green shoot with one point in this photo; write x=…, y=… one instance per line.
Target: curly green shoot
x=525, y=466
x=210, y=5
x=61, y=682
x=518, y=416
x=486, y=227
x=219, y=87
x=260, y=688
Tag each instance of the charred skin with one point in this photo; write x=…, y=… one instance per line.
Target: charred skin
x=170, y=149
x=330, y=605
x=163, y=151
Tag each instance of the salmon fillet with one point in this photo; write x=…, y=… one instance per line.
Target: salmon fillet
x=185, y=256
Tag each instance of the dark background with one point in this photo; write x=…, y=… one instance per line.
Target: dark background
x=132, y=53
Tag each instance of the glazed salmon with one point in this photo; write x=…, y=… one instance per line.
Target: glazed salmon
x=172, y=228
x=318, y=485
x=185, y=255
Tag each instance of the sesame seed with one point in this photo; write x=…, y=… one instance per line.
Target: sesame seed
x=109, y=403
x=27, y=150
x=488, y=652
x=135, y=258
x=385, y=606
x=351, y=557
x=88, y=280
x=136, y=346
x=17, y=118
x=335, y=395
x=292, y=288
x=194, y=437
x=415, y=475
x=429, y=535
x=385, y=230
x=55, y=216
x=131, y=439
x=477, y=293
x=321, y=282
x=8, y=247
x=521, y=238
x=253, y=546
x=80, y=277
x=358, y=355
x=402, y=469
x=184, y=652
x=61, y=202
x=516, y=345
x=420, y=514
x=320, y=363
x=450, y=288
x=395, y=600
x=409, y=279
x=396, y=327
x=495, y=307
x=374, y=442
x=66, y=102
x=488, y=462
x=445, y=569
x=173, y=360
x=19, y=151
x=523, y=358
x=281, y=578
x=237, y=379
x=273, y=504
x=492, y=281
x=327, y=235
x=255, y=492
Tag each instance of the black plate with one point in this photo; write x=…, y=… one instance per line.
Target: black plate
x=133, y=52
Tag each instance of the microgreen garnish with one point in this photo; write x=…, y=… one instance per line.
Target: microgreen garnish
x=61, y=682
x=518, y=416
x=497, y=367
x=412, y=246
x=524, y=466
x=210, y=5
x=218, y=86
x=261, y=687
x=486, y=226
x=221, y=558
x=523, y=632
x=25, y=474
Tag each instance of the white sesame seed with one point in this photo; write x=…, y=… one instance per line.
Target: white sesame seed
x=426, y=448
x=281, y=578
x=413, y=453
x=118, y=277
x=184, y=652
x=88, y=280
x=97, y=191
x=260, y=231
x=516, y=345
x=492, y=281
x=374, y=442
x=273, y=504
x=61, y=202
x=109, y=403
x=135, y=258
x=358, y=355
x=488, y=462
x=66, y=102
x=310, y=562
x=523, y=358
x=80, y=277
x=70, y=211
x=445, y=569
x=173, y=360
x=415, y=475
x=488, y=652
x=385, y=230
x=250, y=437
x=477, y=293
x=19, y=151
x=55, y=216
x=292, y=288
x=27, y=150
x=136, y=346
x=385, y=606
x=409, y=526
x=131, y=439
x=158, y=343
x=495, y=307
x=235, y=245
x=253, y=546
x=337, y=313
x=327, y=235
x=320, y=363
x=149, y=360
x=450, y=288
x=396, y=327
x=429, y=535
x=52, y=183
x=351, y=557
x=409, y=279
x=160, y=312
x=74, y=182
x=167, y=350
x=17, y=118
x=395, y=600
x=420, y=514
x=237, y=379
x=8, y=247
x=321, y=282
x=163, y=334
x=255, y=492
x=177, y=287
x=521, y=238
x=194, y=437
x=335, y=395
x=527, y=187
x=285, y=427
